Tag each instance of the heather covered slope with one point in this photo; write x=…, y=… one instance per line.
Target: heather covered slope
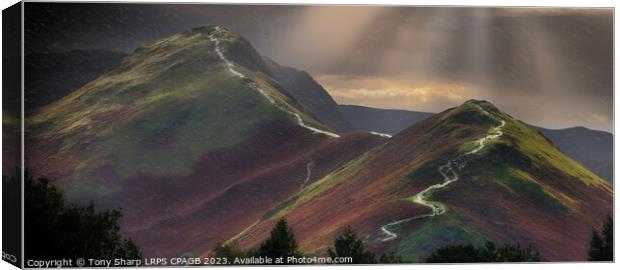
x=199, y=140
x=189, y=134
x=592, y=148
x=229, y=188
x=516, y=188
x=167, y=104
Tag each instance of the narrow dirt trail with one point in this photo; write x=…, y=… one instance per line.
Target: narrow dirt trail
x=309, y=167
x=449, y=175
x=231, y=68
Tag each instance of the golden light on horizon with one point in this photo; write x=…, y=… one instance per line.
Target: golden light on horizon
x=396, y=94
x=444, y=57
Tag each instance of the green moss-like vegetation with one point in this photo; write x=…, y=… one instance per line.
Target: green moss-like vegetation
x=218, y=113
x=545, y=156
x=464, y=121
x=173, y=100
x=520, y=184
x=507, y=162
x=428, y=170
x=223, y=113
x=434, y=232
x=319, y=187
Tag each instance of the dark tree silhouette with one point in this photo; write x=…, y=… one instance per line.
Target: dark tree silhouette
x=12, y=216
x=281, y=243
x=454, y=254
x=55, y=230
x=509, y=253
x=608, y=238
x=228, y=251
x=387, y=258
x=595, y=252
x=349, y=245
x=489, y=253
x=602, y=244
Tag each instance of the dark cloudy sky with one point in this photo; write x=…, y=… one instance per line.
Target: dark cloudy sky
x=549, y=67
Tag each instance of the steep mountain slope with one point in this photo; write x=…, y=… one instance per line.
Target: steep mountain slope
x=465, y=175
x=592, y=148
x=53, y=75
x=184, y=130
x=170, y=97
x=310, y=94
x=228, y=189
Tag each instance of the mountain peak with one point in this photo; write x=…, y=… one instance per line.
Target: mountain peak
x=193, y=37
x=472, y=117
x=221, y=31
x=478, y=101
x=482, y=106
x=198, y=43
x=208, y=28
x=482, y=103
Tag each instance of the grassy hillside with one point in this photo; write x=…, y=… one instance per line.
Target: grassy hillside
x=168, y=103
x=591, y=148
x=189, y=134
x=520, y=172
x=517, y=188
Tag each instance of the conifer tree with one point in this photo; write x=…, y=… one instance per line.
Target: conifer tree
x=228, y=251
x=349, y=245
x=602, y=244
x=57, y=230
x=489, y=253
x=281, y=243
x=608, y=239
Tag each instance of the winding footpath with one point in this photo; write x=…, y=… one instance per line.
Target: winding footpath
x=384, y=135
x=231, y=67
x=449, y=175
x=309, y=167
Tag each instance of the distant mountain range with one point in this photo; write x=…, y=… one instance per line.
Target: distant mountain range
x=592, y=148
x=380, y=120
x=201, y=140
x=310, y=95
